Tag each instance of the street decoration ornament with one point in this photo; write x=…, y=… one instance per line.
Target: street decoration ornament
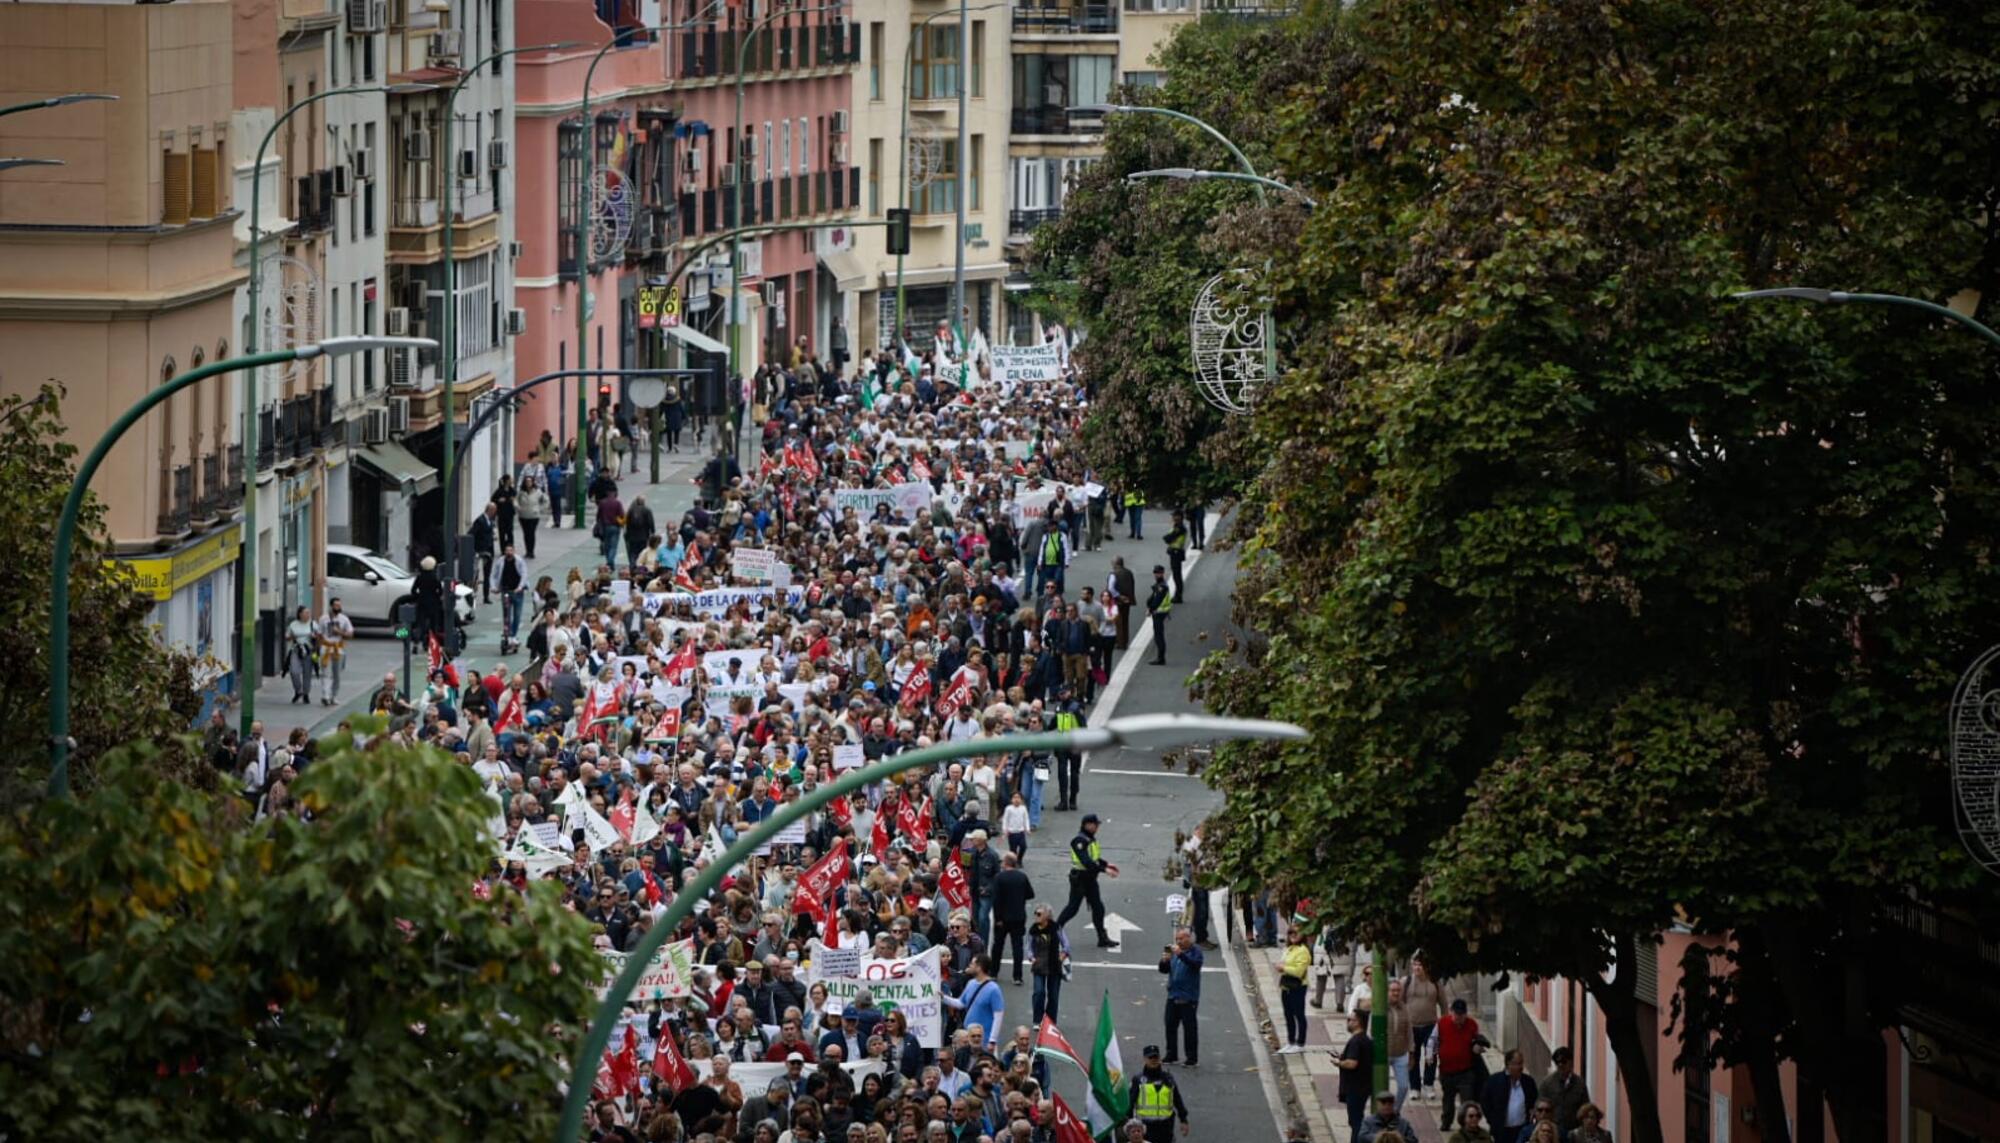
x=1229, y=339
x=924, y=156
x=290, y=288
x=610, y=215
x=1975, y=760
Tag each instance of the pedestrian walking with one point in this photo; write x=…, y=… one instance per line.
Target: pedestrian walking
x=510, y=579
x=1014, y=823
x=1155, y=1099
x=1384, y=1120
x=1048, y=952
x=639, y=532
x=503, y=499
x=1086, y=865
x=532, y=503
x=1197, y=523
x=610, y=523
x=1455, y=1058
x=1135, y=504
x=485, y=537
x=1565, y=1089
x=1181, y=962
x=1121, y=586
x=301, y=640
x=1425, y=1001
x=1011, y=893
x=1177, y=544
x=1292, y=970
x=1159, y=602
x=1471, y=1126
x=335, y=629
x=1356, y=1061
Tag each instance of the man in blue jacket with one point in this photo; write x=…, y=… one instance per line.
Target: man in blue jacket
x=1181, y=961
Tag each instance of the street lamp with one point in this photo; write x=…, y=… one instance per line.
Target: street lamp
x=58, y=101
x=732, y=398
x=1840, y=297
x=582, y=240
x=10, y=164
x=1148, y=732
x=448, y=338
x=247, y=590
x=903, y=137
x=1190, y=174
x=59, y=741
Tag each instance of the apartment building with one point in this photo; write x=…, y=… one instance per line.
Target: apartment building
x=670, y=160
x=117, y=272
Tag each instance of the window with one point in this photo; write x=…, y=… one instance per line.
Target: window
x=207, y=190
x=934, y=68
x=768, y=156
x=785, y=147
x=805, y=145
x=875, y=61
x=476, y=333
x=978, y=58
x=366, y=191
x=940, y=195
x=176, y=188
x=1145, y=79
x=875, y=178
x=569, y=167
x=1091, y=79
x=978, y=145
x=1157, y=5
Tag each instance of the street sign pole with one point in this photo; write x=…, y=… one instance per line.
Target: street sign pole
x=406, y=618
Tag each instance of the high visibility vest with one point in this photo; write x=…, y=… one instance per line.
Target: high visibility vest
x=1066, y=720
x=1134, y=500
x=1096, y=855
x=1156, y=1100
x=1052, y=549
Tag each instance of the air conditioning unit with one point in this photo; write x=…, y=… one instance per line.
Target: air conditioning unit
x=343, y=181
x=363, y=162
x=375, y=426
x=417, y=299
x=691, y=161
x=840, y=154
x=468, y=164
x=399, y=414
x=496, y=154
x=772, y=295
x=729, y=174
x=399, y=369
x=840, y=121
x=515, y=250
x=417, y=147
x=399, y=321
x=517, y=322
x=749, y=145
x=366, y=17
x=443, y=46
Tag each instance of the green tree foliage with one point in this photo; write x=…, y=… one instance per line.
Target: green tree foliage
x=180, y=973
x=1125, y=262
x=123, y=685
x=1610, y=599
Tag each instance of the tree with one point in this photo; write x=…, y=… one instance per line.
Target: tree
x=111, y=644
x=1610, y=600
x=180, y=973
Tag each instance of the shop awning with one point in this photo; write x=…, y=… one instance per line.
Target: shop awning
x=846, y=268
x=399, y=466
x=696, y=340
x=942, y=275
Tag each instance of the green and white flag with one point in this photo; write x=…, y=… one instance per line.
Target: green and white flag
x=1108, y=1102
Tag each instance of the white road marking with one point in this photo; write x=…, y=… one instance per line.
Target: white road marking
x=1116, y=925
x=1161, y=773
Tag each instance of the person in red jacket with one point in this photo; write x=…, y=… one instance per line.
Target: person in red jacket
x=1455, y=1050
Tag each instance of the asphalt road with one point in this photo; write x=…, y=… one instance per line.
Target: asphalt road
x=1142, y=806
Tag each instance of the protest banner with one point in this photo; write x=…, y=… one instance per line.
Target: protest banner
x=910, y=985
x=669, y=975
x=1014, y=364
x=758, y=1076
x=863, y=500
x=912, y=500
x=718, y=696
x=718, y=600
x=848, y=755
x=1031, y=505
x=720, y=673
x=753, y=564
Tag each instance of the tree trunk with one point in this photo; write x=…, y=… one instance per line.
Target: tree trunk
x=1761, y=1016
x=1617, y=999
x=1837, y=1048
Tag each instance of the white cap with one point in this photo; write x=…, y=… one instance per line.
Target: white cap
x=834, y=1008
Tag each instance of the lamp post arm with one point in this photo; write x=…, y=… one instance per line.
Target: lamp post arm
x=1933, y=308
x=598, y=1035
x=487, y=415
x=66, y=542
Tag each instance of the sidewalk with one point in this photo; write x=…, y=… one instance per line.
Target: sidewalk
x=371, y=654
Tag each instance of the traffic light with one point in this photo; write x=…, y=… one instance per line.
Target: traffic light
x=899, y=230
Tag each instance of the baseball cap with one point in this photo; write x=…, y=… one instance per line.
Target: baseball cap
x=1458, y=1006
x=834, y=1007
x=795, y=1058
x=1089, y=818
x=1152, y=1051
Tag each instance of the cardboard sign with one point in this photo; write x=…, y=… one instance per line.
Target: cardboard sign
x=669, y=975
x=753, y=564
x=863, y=500
x=1014, y=364
x=912, y=500
x=848, y=755
x=549, y=835
x=910, y=985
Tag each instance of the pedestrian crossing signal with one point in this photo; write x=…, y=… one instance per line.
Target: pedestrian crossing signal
x=899, y=230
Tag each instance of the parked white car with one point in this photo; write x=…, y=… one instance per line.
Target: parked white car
x=371, y=586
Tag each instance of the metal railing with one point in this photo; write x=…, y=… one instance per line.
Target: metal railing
x=211, y=499
x=1085, y=19
x=1052, y=120
x=267, y=438
x=232, y=491
x=1026, y=221
x=176, y=500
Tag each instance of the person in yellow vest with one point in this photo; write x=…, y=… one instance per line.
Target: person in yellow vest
x=1135, y=505
x=1086, y=863
x=1156, y=1100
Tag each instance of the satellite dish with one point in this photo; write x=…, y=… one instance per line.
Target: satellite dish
x=646, y=392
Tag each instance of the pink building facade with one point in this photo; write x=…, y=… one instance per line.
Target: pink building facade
x=663, y=122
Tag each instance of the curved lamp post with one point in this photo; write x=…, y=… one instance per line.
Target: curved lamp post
x=59, y=101
x=449, y=330
x=246, y=591
x=1148, y=731
x=59, y=742
x=11, y=163
x=1840, y=297
x=1192, y=174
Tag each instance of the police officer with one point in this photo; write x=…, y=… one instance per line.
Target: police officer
x=1156, y=1100
x=1177, y=545
x=1069, y=763
x=1086, y=862
x=1159, y=602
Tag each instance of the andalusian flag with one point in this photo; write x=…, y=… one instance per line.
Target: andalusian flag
x=1107, y=1104
x=869, y=390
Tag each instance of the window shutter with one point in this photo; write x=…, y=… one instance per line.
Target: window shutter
x=175, y=188
x=1646, y=971
x=207, y=182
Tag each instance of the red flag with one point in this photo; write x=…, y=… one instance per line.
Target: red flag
x=625, y=1068
x=958, y=692
x=513, y=712
x=667, y=728
x=917, y=691
x=842, y=812
x=683, y=661
x=914, y=821
x=1049, y=1041
x=1069, y=1129
x=952, y=885
x=879, y=837
x=672, y=1069
x=622, y=814
x=817, y=883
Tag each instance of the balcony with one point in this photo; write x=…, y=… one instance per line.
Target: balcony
x=232, y=493
x=1050, y=120
x=417, y=236
x=209, y=505
x=1067, y=20
x=176, y=500
x=328, y=429
x=1953, y=971
x=1022, y=223
x=267, y=438
x=712, y=53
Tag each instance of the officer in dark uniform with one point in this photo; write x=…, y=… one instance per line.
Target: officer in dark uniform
x=1177, y=545
x=1156, y=1100
x=1159, y=602
x=1086, y=862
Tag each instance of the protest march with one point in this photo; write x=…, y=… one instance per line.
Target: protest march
x=887, y=570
